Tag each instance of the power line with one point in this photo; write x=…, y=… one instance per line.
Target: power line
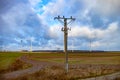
x=65, y=30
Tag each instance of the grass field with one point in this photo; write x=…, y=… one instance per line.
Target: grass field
x=79, y=58
x=7, y=58
x=86, y=64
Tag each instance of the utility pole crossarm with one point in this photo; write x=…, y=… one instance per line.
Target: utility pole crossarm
x=65, y=30
x=59, y=18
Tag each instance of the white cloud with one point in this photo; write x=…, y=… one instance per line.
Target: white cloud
x=13, y=47
x=34, y=2
x=109, y=6
x=102, y=39
x=53, y=8
x=50, y=10
x=88, y=32
x=17, y=40
x=113, y=27
x=100, y=43
x=14, y=17
x=105, y=7
x=54, y=31
x=80, y=31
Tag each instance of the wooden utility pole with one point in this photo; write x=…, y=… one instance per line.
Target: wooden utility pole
x=65, y=30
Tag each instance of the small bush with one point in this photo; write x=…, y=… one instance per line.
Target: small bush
x=1, y=77
x=17, y=65
x=118, y=78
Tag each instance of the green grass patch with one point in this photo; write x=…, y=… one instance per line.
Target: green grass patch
x=7, y=58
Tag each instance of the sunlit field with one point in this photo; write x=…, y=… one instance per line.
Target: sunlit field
x=81, y=65
x=7, y=58
x=79, y=58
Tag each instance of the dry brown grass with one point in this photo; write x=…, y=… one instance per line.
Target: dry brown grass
x=78, y=72
x=93, y=58
x=16, y=65
x=118, y=78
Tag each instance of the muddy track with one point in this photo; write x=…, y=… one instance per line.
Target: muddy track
x=106, y=77
x=36, y=66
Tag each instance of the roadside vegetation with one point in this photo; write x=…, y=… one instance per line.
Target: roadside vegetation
x=58, y=73
x=7, y=58
x=9, y=61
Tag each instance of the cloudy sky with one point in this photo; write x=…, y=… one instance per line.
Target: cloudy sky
x=23, y=21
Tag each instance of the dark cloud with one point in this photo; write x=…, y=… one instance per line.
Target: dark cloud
x=6, y=5
x=18, y=21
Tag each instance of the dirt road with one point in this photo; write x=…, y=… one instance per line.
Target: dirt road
x=36, y=66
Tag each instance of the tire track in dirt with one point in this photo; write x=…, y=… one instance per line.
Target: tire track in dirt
x=105, y=77
x=36, y=66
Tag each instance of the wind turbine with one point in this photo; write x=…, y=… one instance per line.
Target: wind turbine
x=21, y=44
x=72, y=45
x=90, y=45
x=31, y=44
x=92, y=38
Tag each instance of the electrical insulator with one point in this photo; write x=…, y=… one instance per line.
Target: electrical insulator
x=62, y=29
